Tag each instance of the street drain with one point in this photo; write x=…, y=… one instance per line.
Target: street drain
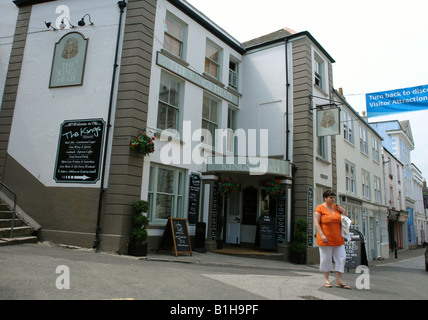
x=310, y=298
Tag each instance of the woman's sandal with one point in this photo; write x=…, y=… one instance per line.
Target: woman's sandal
x=343, y=286
x=327, y=285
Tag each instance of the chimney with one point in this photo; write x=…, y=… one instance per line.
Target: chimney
x=341, y=91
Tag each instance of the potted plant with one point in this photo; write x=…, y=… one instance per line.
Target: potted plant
x=142, y=143
x=137, y=245
x=299, y=242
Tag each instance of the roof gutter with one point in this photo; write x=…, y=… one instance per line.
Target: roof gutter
x=291, y=38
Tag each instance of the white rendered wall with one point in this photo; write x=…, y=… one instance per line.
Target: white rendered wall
x=39, y=110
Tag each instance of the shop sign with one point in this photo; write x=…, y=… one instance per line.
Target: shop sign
x=310, y=216
x=196, y=78
x=249, y=165
x=79, y=151
x=68, y=65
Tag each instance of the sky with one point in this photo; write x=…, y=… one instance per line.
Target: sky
x=378, y=45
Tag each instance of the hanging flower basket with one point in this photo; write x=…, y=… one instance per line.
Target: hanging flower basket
x=143, y=143
x=274, y=189
x=227, y=186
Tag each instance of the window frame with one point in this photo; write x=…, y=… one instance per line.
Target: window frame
x=177, y=195
x=178, y=108
x=351, y=178
x=209, y=59
x=208, y=123
x=348, y=128
x=233, y=74
x=365, y=184
x=364, y=141
x=182, y=42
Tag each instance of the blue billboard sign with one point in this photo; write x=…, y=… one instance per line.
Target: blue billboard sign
x=396, y=101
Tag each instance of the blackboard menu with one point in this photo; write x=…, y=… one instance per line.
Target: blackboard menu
x=194, y=195
x=280, y=219
x=265, y=233
x=79, y=151
x=214, y=211
x=176, y=235
x=355, y=250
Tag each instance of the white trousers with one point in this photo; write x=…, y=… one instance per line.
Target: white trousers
x=327, y=253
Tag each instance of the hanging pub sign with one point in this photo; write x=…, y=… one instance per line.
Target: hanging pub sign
x=79, y=151
x=69, y=59
x=328, y=120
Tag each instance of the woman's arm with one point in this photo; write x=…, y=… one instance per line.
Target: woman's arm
x=317, y=221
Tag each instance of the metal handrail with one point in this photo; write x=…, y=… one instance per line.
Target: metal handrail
x=14, y=208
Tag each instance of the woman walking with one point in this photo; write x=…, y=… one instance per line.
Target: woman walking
x=329, y=239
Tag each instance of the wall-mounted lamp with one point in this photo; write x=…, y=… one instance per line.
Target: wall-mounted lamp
x=81, y=22
x=63, y=25
x=49, y=25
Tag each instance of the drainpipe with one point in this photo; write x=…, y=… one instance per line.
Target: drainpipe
x=287, y=129
x=121, y=5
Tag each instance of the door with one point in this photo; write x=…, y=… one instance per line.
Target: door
x=233, y=222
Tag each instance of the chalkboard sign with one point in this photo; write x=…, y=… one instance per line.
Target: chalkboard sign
x=176, y=235
x=280, y=219
x=214, y=211
x=194, y=195
x=79, y=151
x=355, y=250
x=265, y=233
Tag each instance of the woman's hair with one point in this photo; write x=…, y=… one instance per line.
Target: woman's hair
x=328, y=193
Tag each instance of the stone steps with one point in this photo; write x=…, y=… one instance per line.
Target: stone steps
x=22, y=233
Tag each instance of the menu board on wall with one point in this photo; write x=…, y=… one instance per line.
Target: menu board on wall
x=194, y=195
x=79, y=151
x=280, y=218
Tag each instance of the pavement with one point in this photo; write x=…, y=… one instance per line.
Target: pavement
x=241, y=258
x=257, y=259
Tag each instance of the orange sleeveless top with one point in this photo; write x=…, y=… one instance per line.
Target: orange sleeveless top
x=331, y=225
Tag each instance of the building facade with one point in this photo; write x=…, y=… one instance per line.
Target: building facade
x=361, y=189
x=398, y=139
x=395, y=200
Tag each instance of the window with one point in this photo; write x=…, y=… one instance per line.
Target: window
x=378, y=190
x=322, y=147
x=212, y=60
x=169, y=102
x=166, y=190
x=174, y=36
x=348, y=127
x=350, y=178
x=231, y=127
x=364, y=147
x=210, y=108
x=233, y=74
x=365, y=182
x=319, y=73
x=375, y=149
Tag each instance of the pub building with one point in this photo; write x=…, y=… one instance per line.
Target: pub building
x=217, y=109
